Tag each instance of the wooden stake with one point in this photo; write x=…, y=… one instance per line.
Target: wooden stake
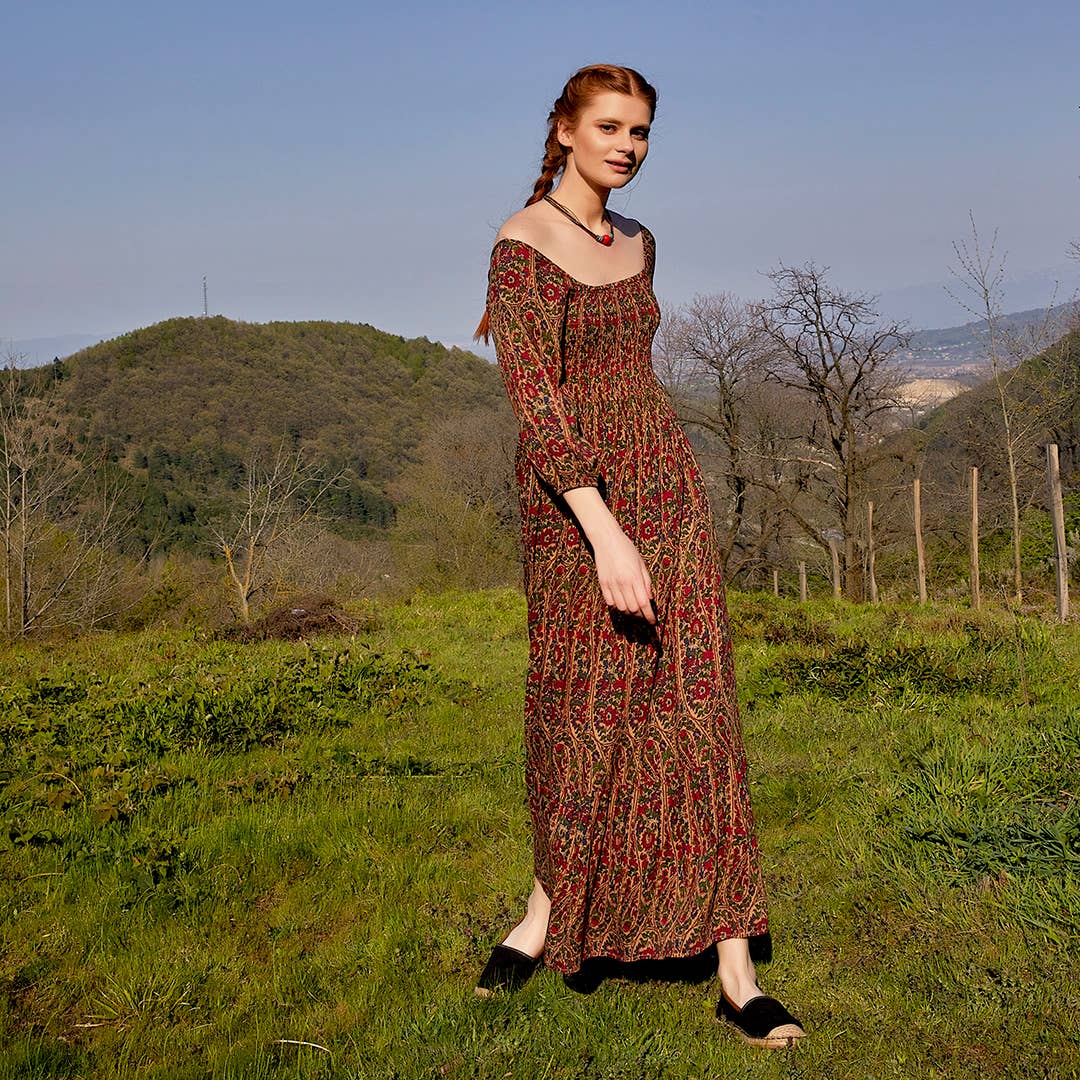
x=920, y=554
x=1057, y=510
x=870, y=546
x=835, y=552
x=976, y=598
x=802, y=581
x=776, y=582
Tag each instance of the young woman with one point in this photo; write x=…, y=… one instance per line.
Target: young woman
x=643, y=836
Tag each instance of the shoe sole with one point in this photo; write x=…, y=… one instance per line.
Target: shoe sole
x=785, y=1037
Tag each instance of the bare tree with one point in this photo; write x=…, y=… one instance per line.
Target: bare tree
x=830, y=346
x=711, y=362
x=60, y=515
x=1024, y=403
x=277, y=500
x=458, y=520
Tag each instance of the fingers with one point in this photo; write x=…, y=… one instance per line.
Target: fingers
x=632, y=597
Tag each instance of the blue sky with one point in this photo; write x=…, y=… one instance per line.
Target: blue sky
x=347, y=161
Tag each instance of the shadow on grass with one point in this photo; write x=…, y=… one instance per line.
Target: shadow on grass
x=698, y=968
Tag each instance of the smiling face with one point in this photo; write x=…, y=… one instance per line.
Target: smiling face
x=610, y=141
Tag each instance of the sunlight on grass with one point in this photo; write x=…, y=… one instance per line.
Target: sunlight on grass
x=292, y=859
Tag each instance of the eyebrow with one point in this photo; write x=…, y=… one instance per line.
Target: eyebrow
x=613, y=120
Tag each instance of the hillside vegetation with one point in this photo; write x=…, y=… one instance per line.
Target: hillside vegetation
x=180, y=404
x=1044, y=395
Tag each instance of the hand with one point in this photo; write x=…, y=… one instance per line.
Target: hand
x=624, y=577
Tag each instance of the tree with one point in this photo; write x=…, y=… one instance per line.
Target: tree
x=711, y=361
x=458, y=520
x=1025, y=398
x=829, y=345
x=277, y=500
x=59, y=515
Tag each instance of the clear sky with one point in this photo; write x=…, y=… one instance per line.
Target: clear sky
x=354, y=161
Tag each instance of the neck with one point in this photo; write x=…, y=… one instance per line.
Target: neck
x=586, y=200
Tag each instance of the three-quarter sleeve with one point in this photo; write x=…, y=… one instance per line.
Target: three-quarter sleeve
x=525, y=317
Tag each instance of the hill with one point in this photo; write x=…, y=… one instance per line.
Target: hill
x=1042, y=398
x=962, y=350
x=1044, y=393
x=181, y=403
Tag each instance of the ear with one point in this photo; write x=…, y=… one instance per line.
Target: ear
x=562, y=134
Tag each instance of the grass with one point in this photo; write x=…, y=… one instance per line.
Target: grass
x=291, y=860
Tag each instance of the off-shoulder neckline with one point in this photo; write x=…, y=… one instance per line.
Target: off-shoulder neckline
x=584, y=284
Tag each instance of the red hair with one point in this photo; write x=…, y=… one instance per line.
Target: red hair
x=585, y=84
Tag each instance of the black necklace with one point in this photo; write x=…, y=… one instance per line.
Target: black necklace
x=601, y=238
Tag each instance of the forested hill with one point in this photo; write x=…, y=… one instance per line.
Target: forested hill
x=181, y=403
x=1042, y=399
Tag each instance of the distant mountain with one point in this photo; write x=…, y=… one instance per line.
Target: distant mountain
x=963, y=351
x=179, y=405
x=933, y=303
x=967, y=430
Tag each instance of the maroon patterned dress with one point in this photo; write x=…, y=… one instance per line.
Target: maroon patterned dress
x=635, y=771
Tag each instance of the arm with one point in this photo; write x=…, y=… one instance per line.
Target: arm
x=524, y=316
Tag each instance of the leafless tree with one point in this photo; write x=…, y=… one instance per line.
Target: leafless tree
x=277, y=500
x=1025, y=402
x=60, y=516
x=709, y=356
x=831, y=346
x=458, y=520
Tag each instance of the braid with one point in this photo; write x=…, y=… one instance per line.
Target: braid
x=579, y=90
x=554, y=160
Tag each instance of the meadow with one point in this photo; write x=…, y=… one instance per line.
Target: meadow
x=290, y=859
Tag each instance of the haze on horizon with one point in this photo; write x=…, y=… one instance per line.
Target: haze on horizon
x=347, y=162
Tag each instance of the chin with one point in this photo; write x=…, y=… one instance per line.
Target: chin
x=616, y=182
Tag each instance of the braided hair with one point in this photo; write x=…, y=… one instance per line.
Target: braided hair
x=585, y=84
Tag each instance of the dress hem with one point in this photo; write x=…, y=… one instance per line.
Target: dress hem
x=629, y=956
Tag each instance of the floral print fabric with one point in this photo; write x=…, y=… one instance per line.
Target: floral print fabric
x=635, y=771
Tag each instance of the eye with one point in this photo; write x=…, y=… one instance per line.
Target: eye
x=612, y=126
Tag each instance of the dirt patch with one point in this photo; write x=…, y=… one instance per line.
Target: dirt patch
x=301, y=617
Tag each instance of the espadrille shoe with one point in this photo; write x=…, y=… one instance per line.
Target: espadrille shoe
x=507, y=969
x=762, y=1021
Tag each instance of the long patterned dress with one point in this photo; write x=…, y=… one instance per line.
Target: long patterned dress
x=643, y=834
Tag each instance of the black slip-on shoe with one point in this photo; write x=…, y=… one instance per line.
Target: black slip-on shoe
x=507, y=969
x=762, y=1021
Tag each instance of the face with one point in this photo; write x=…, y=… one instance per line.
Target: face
x=613, y=130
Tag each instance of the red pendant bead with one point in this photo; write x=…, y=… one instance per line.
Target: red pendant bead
x=605, y=240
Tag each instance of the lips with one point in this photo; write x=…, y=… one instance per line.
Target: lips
x=621, y=165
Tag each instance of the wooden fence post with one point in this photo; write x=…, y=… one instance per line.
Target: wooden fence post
x=775, y=582
x=870, y=545
x=975, y=595
x=920, y=554
x=1058, y=513
x=802, y=581
x=835, y=552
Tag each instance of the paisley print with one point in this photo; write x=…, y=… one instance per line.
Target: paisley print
x=635, y=772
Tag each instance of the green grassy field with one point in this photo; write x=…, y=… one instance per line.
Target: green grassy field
x=212, y=854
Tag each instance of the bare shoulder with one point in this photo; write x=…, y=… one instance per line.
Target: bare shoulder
x=530, y=224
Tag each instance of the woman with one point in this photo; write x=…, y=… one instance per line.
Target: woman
x=643, y=835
